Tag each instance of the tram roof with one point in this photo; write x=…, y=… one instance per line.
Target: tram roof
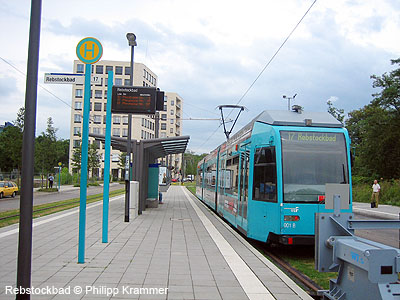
x=293, y=118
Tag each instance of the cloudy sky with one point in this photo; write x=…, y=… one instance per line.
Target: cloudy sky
x=209, y=52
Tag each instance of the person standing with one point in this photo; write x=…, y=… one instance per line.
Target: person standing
x=376, y=188
x=51, y=179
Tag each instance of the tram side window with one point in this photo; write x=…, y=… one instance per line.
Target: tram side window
x=232, y=166
x=264, y=185
x=199, y=178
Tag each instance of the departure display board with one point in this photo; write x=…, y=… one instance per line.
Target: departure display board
x=133, y=99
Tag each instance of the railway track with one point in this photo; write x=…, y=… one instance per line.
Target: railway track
x=311, y=287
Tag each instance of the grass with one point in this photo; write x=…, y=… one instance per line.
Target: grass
x=305, y=265
x=64, y=205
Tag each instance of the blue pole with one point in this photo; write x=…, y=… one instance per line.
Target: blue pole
x=106, y=181
x=84, y=166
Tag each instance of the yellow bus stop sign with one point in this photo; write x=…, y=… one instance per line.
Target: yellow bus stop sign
x=89, y=50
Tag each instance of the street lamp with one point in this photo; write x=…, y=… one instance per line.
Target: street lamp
x=131, y=37
x=289, y=98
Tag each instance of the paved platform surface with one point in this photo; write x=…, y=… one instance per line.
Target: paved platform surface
x=179, y=250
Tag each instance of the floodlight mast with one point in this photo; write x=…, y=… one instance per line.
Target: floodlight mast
x=221, y=107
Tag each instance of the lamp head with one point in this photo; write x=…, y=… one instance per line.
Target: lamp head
x=131, y=39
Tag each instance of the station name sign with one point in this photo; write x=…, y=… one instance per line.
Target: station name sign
x=64, y=78
x=135, y=100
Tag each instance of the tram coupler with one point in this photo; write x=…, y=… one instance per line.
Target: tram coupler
x=366, y=269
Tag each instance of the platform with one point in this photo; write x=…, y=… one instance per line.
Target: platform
x=179, y=250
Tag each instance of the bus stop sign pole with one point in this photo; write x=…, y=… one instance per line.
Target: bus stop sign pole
x=89, y=51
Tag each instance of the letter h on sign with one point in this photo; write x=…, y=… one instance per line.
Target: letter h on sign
x=89, y=50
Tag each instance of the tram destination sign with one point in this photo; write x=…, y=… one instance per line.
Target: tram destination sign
x=133, y=99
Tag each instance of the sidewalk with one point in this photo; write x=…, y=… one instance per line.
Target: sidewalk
x=387, y=212
x=179, y=250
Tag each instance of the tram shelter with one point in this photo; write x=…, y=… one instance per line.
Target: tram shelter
x=145, y=152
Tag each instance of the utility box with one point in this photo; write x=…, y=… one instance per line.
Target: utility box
x=152, y=186
x=134, y=198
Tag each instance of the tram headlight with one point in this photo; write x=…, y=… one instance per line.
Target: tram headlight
x=291, y=218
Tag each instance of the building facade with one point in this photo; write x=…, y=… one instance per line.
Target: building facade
x=143, y=126
x=171, y=125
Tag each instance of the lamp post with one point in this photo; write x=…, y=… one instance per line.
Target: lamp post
x=289, y=98
x=132, y=42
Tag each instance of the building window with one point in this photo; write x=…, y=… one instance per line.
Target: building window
x=99, y=69
x=163, y=135
x=77, y=131
x=128, y=70
x=165, y=107
x=97, y=106
x=127, y=82
x=78, y=93
x=116, y=119
x=97, y=119
x=124, y=120
x=163, y=117
x=116, y=132
x=163, y=126
x=109, y=68
x=79, y=68
x=98, y=94
x=118, y=70
x=144, y=73
x=118, y=81
x=77, y=118
x=78, y=105
x=96, y=130
x=124, y=132
x=172, y=121
x=172, y=102
x=77, y=143
x=172, y=112
x=171, y=130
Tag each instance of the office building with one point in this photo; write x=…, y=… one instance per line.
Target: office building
x=143, y=126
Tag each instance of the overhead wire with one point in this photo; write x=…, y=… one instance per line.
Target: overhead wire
x=91, y=118
x=264, y=68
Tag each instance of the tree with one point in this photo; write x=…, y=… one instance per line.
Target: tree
x=374, y=131
x=94, y=158
x=191, y=161
x=11, y=149
x=19, y=122
x=122, y=162
x=389, y=97
x=76, y=160
x=337, y=113
x=46, y=150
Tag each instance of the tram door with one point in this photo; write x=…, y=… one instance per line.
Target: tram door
x=244, y=189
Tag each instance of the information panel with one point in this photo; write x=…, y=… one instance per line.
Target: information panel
x=133, y=99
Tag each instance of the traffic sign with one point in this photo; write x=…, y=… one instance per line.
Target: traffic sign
x=64, y=78
x=89, y=50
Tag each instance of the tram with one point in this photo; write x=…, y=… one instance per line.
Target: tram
x=268, y=180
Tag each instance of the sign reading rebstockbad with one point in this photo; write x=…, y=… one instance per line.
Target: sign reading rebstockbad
x=64, y=78
x=133, y=99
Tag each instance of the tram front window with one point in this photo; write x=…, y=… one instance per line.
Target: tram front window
x=309, y=161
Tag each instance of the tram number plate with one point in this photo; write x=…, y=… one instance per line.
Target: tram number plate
x=289, y=225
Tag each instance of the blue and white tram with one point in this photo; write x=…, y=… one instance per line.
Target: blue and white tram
x=268, y=180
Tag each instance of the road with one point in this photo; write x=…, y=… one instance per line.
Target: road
x=43, y=197
x=385, y=236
